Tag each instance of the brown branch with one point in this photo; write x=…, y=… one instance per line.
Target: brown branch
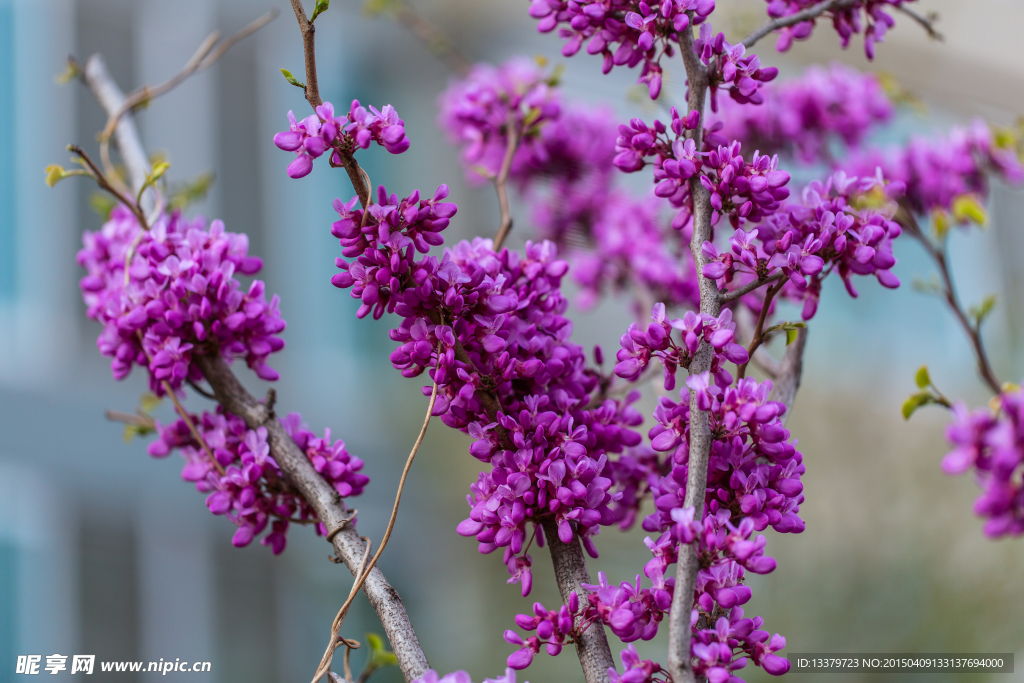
x=726, y=297
x=570, y=574
x=105, y=183
x=906, y=219
x=501, y=182
x=808, y=14
x=758, y=339
x=791, y=370
x=312, y=92
x=927, y=21
x=329, y=508
x=433, y=38
x=679, y=665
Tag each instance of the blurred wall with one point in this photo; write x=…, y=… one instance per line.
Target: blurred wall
x=104, y=550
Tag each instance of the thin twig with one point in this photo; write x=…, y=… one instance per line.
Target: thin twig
x=433, y=38
x=791, y=370
x=808, y=14
x=131, y=419
x=501, y=181
x=726, y=297
x=927, y=21
x=104, y=182
x=312, y=92
x=363, y=573
x=203, y=58
x=938, y=254
x=741, y=370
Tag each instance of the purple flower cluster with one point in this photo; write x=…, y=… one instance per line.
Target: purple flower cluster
x=384, y=240
x=636, y=670
x=803, y=115
x=729, y=66
x=829, y=225
x=322, y=130
x=723, y=649
x=992, y=444
x=639, y=347
x=476, y=112
x=867, y=16
x=625, y=32
x=179, y=297
x=553, y=627
x=938, y=169
x=742, y=190
x=493, y=322
x=244, y=482
x=753, y=471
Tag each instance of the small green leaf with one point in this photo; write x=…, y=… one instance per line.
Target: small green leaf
x=915, y=401
x=102, y=203
x=133, y=430
x=149, y=401
x=981, y=311
x=71, y=73
x=321, y=7
x=968, y=208
x=380, y=656
x=791, y=335
x=184, y=194
x=54, y=174
x=373, y=8
x=291, y=79
x=922, y=378
x=531, y=116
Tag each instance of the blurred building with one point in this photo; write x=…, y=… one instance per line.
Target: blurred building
x=105, y=551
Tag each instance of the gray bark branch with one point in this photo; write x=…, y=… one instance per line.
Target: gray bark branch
x=791, y=370
x=299, y=472
x=329, y=507
x=570, y=574
x=679, y=664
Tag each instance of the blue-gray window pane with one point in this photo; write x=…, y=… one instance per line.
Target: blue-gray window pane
x=8, y=261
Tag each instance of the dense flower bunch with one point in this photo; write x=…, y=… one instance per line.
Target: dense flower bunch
x=803, y=115
x=476, y=113
x=992, y=444
x=493, y=323
x=939, y=169
x=728, y=66
x=179, y=297
x=243, y=480
x=625, y=32
x=844, y=222
x=554, y=628
x=868, y=16
x=322, y=130
x=753, y=471
x=639, y=347
x=742, y=190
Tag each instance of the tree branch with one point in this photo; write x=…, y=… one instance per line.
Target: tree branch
x=329, y=507
x=432, y=37
x=348, y=161
x=296, y=467
x=726, y=297
x=905, y=217
x=570, y=574
x=501, y=182
x=927, y=21
x=679, y=665
x=758, y=338
x=811, y=12
x=787, y=381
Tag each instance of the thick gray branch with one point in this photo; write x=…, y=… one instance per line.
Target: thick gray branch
x=297, y=469
x=110, y=97
x=570, y=574
x=679, y=665
x=329, y=507
x=791, y=369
